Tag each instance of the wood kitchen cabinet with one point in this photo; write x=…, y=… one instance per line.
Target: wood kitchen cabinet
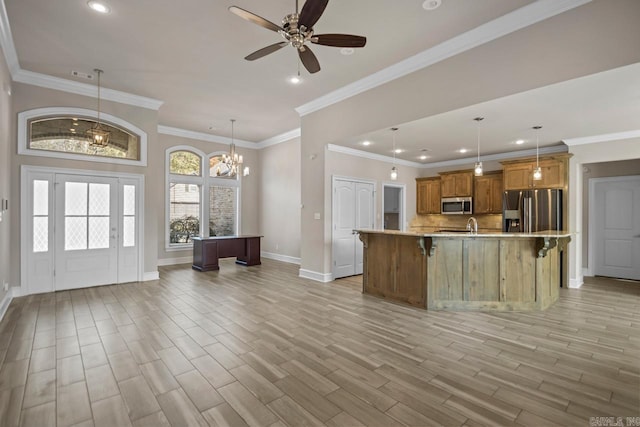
x=518, y=174
x=428, y=195
x=487, y=197
x=457, y=184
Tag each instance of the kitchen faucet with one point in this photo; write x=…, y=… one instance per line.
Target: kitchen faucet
x=473, y=230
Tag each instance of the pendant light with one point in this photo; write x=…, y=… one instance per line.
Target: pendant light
x=232, y=160
x=537, y=172
x=97, y=134
x=394, y=171
x=477, y=170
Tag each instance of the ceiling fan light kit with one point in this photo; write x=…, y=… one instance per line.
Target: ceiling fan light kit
x=297, y=31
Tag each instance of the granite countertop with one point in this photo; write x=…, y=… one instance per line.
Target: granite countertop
x=466, y=235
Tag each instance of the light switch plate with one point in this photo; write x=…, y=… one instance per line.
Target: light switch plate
x=316, y=215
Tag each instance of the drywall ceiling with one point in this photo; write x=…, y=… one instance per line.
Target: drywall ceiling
x=599, y=104
x=190, y=54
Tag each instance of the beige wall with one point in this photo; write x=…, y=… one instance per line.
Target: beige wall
x=279, y=199
x=600, y=170
x=26, y=97
x=586, y=40
x=9, y=221
x=610, y=151
x=248, y=199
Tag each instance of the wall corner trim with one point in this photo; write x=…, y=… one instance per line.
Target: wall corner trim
x=201, y=136
x=314, y=275
x=576, y=283
x=279, y=257
x=150, y=275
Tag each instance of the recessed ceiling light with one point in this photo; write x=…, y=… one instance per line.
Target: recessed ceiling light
x=366, y=143
x=520, y=141
x=398, y=150
x=99, y=7
x=347, y=51
x=462, y=150
x=423, y=157
x=431, y=4
x=294, y=80
x=72, y=130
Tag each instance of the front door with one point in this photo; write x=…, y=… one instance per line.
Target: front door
x=86, y=231
x=617, y=228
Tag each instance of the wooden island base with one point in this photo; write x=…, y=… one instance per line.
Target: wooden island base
x=492, y=272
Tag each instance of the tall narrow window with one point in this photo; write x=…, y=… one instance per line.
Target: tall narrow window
x=222, y=211
x=184, y=213
x=40, y=216
x=129, y=216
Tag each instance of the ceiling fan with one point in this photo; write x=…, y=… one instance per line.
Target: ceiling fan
x=297, y=30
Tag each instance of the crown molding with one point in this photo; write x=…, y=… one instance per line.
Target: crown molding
x=602, y=138
x=70, y=86
x=372, y=156
x=201, y=136
x=6, y=41
x=457, y=162
x=496, y=157
x=277, y=139
x=511, y=22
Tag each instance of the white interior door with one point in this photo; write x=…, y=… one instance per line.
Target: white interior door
x=617, y=228
x=86, y=230
x=353, y=208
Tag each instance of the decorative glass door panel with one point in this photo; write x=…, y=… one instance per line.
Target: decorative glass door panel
x=87, y=230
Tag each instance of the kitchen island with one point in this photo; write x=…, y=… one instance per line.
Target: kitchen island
x=461, y=271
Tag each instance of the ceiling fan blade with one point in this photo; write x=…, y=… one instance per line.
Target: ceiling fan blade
x=309, y=60
x=245, y=14
x=265, y=51
x=339, y=40
x=311, y=12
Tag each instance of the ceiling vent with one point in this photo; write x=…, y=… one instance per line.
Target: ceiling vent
x=82, y=75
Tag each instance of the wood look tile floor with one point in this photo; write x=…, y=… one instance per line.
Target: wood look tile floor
x=260, y=346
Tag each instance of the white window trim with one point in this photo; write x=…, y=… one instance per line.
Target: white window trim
x=23, y=144
x=205, y=182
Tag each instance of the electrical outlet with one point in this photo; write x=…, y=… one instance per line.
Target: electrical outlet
x=5, y=285
x=277, y=246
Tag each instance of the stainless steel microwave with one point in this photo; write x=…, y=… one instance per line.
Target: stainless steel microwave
x=457, y=205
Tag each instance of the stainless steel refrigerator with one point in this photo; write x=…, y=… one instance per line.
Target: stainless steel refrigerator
x=527, y=211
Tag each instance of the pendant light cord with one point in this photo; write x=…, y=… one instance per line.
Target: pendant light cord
x=99, y=73
x=537, y=128
x=478, y=120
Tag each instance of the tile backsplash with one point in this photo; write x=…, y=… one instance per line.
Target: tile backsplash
x=453, y=222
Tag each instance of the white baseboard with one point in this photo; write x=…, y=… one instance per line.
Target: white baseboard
x=150, y=275
x=278, y=257
x=576, y=283
x=314, y=275
x=174, y=261
x=587, y=272
x=12, y=293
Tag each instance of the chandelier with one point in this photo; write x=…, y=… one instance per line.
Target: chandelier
x=233, y=160
x=98, y=136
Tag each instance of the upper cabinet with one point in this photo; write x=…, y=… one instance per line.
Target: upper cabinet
x=487, y=197
x=428, y=195
x=518, y=174
x=457, y=184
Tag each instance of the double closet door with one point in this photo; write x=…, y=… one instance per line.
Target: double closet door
x=83, y=231
x=353, y=208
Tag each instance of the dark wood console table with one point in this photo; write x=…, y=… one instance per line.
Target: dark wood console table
x=207, y=251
